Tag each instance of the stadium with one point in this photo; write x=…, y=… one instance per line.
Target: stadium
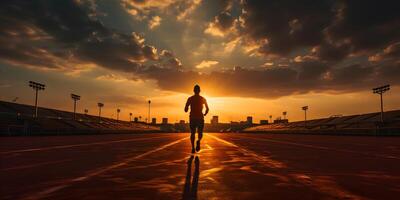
x=199, y=99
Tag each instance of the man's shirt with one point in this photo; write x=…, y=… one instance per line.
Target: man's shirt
x=196, y=103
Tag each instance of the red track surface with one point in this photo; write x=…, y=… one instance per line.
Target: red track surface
x=230, y=166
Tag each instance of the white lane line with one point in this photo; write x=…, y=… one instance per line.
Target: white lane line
x=96, y=172
x=328, y=187
x=79, y=145
x=320, y=147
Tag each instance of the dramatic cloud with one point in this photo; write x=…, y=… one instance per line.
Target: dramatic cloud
x=336, y=29
x=186, y=8
x=366, y=25
x=206, y=64
x=141, y=8
x=113, y=77
x=285, y=26
x=282, y=47
x=174, y=63
x=154, y=22
x=180, y=9
x=390, y=52
x=221, y=24
x=166, y=53
x=61, y=35
x=276, y=81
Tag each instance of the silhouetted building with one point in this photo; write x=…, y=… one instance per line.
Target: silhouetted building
x=263, y=121
x=214, y=120
x=182, y=121
x=153, y=120
x=249, y=120
x=164, y=120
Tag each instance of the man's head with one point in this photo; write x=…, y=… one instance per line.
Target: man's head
x=196, y=89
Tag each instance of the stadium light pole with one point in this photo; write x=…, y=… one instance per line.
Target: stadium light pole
x=36, y=86
x=270, y=118
x=305, y=108
x=100, y=105
x=118, y=111
x=86, y=111
x=148, y=116
x=284, y=114
x=75, y=98
x=130, y=117
x=380, y=91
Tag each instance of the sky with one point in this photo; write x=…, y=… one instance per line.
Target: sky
x=251, y=58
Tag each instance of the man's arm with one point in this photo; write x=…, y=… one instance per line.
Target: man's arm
x=187, y=105
x=207, y=109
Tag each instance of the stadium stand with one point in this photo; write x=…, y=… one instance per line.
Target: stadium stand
x=364, y=124
x=17, y=119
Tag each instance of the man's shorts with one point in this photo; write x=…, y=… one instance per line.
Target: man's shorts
x=196, y=123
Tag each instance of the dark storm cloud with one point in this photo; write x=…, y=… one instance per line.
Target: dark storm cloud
x=46, y=33
x=336, y=28
x=332, y=52
x=366, y=24
x=391, y=53
x=288, y=25
x=224, y=20
x=391, y=72
x=353, y=74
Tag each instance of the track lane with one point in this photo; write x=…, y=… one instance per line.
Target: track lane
x=371, y=175
x=66, y=183
x=317, y=147
x=231, y=166
x=78, y=145
x=27, y=172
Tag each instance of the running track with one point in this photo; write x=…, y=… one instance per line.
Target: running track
x=229, y=166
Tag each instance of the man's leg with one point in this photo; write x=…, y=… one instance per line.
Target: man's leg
x=200, y=134
x=192, y=134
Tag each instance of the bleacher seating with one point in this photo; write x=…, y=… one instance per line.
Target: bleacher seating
x=18, y=119
x=370, y=122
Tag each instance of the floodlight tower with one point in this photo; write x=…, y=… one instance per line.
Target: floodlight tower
x=86, y=111
x=284, y=114
x=75, y=98
x=100, y=105
x=118, y=111
x=148, y=116
x=270, y=118
x=380, y=91
x=305, y=108
x=130, y=117
x=36, y=86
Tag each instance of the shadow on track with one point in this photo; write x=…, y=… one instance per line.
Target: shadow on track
x=190, y=187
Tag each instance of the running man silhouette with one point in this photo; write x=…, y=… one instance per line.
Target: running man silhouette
x=196, y=103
